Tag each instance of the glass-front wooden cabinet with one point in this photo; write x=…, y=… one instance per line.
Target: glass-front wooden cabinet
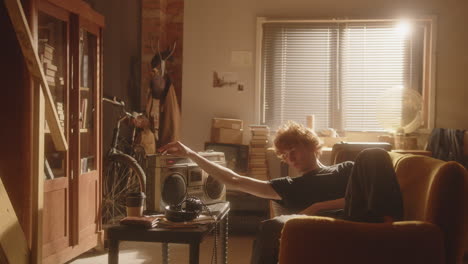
x=70, y=50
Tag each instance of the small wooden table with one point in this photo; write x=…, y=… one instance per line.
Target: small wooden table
x=191, y=236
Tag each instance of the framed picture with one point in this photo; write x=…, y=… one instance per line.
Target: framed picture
x=237, y=156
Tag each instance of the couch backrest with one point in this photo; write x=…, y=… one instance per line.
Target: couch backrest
x=435, y=191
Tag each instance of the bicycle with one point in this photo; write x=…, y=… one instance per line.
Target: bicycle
x=122, y=172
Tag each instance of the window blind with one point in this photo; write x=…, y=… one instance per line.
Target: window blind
x=298, y=62
x=374, y=61
x=336, y=71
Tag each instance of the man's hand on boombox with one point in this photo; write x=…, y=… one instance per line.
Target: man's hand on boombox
x=176, y=148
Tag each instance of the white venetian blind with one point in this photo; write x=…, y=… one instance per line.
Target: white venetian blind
x=298, y=72
x=336, y=71
x=374, y=59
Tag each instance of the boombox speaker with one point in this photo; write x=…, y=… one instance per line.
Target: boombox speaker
x=170, y=179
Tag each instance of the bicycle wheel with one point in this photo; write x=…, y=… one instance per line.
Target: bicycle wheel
x=122, y=175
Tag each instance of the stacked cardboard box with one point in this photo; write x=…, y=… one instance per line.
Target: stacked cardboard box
x=258, y=146
x=226, y=130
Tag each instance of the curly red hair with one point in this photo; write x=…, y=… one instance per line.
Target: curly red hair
x=293, y=134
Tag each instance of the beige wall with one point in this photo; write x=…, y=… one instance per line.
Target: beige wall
x=214, y=28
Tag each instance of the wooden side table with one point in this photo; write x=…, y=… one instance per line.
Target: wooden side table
x=191, y=236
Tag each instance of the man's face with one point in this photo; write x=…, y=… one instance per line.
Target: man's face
x=300, y=157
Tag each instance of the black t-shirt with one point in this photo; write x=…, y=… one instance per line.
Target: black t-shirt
x=323, y=184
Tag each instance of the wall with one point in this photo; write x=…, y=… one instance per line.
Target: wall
x=121, y=58
x=212, y=29
x=162, y=22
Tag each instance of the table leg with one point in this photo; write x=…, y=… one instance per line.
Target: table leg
x=194, y=253
x=165, y=253
x=113, y=257
x=224, y=239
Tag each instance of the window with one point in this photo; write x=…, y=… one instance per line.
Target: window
x=341, y=71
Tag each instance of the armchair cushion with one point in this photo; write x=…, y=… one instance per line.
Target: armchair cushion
x=314, y=239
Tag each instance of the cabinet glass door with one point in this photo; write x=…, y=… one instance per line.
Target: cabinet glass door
x=52, y=50
x=53, y=40
x=88, y=191
x=88, y=55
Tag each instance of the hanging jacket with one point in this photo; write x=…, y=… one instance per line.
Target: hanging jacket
x=447, y=144
x=169, y=127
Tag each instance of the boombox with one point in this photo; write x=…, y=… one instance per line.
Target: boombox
x=170, y=179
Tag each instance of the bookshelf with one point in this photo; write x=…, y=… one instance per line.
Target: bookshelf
x=67, y=30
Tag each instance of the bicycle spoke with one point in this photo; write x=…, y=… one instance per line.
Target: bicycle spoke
x=120, y=179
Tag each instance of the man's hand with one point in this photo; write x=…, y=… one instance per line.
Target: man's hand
x=176, y=148
x=315, y=208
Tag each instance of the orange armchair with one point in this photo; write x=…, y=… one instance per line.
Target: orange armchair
x=435, y=197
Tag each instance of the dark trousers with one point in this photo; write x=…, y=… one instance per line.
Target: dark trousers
x=372, y=193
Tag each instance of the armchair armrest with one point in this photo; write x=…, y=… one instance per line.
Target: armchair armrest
x=316, y=239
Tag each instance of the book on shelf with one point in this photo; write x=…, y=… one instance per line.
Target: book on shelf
x=84, y=110
x=258, y=155
x=85, y=71
x=49, y=72
x=60, y=113
x=259, y=137
x=258, y=166
x=141, y=221
x=258, y=170
x=48, y=48
x=258, y=142
x=48, y=55
x=84, y=165
x=258, y=127
x=45, y=60
x=50, y=66
x=50, y=79
x=265, y=133
x=264, y=172
x=256, y=159
x=258, y=150
x=202, y=219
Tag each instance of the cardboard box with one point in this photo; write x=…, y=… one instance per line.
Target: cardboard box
x=227, y=123
x=226, y=135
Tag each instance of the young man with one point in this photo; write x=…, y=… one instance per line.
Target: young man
x=367, y=191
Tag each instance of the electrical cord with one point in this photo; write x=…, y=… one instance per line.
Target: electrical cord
x=204, y=207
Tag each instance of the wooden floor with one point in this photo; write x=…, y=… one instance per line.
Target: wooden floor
x=239, y=252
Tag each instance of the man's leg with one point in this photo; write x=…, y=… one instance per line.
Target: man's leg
x=266, y=245
x=373, y=191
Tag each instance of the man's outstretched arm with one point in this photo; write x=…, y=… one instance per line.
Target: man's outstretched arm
x=231, y=179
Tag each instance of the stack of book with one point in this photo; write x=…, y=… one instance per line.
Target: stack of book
x=61, y=113
x=147, y=222
x=258, y=147
x=46, y=53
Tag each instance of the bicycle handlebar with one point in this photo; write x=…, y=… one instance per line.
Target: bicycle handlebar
x=114, y=101
x=117, y=102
